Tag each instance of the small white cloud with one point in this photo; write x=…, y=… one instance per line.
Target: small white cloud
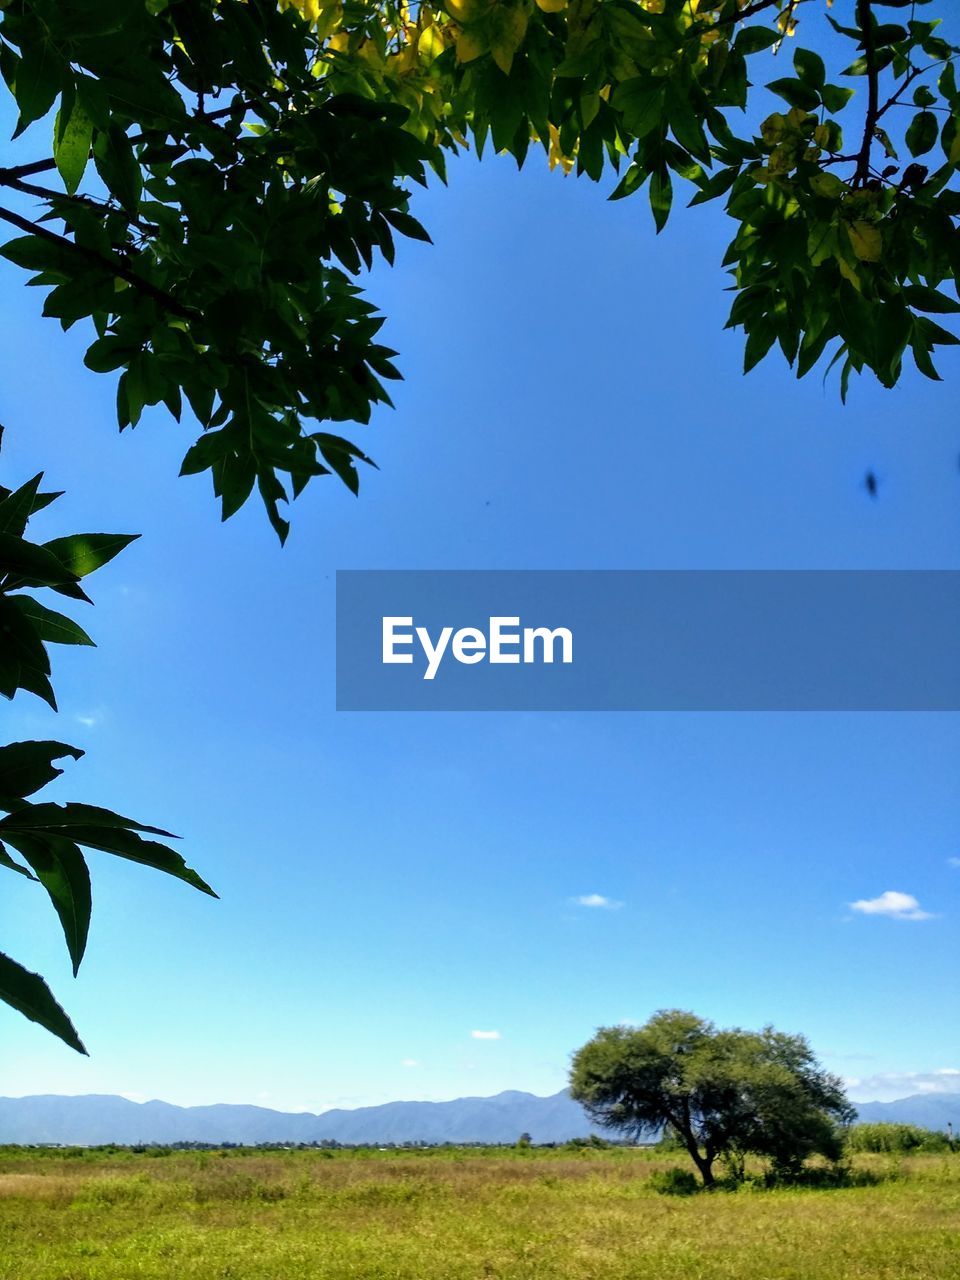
x=485, y=1035
x=90, y=720
x=597, y=900
x=898, y=906
x=953, y=862
x=409, y=1062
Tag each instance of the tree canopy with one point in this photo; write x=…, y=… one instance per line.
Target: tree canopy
x=720, y=1093
x=223, y=170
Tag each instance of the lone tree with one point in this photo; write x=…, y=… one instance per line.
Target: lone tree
x=721, y=1093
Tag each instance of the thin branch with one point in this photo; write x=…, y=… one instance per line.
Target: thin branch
x=865, y=18
x=895, y=100
x=51, y=197
x=111, y=265
x=759, y=6
x=44, y=166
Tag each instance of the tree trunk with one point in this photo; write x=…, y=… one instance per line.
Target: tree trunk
x=704, y=1163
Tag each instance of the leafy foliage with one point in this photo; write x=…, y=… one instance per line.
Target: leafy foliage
x=720, y=1093
x=44, y=841
x=897, y=1139
x=229, y=167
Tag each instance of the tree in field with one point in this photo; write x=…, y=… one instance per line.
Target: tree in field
x=719, y=1093
x=201, y=183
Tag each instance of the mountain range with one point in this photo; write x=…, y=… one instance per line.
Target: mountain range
x=94, y=1119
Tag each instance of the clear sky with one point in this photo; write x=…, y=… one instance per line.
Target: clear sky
x=392, y=884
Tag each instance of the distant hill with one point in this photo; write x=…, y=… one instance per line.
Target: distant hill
x=93, y=1119
x=929, y=1110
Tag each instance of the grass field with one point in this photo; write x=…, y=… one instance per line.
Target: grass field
x=477, y=1214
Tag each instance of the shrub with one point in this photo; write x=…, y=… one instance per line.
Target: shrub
x=674, y=1182
x=899, y=1139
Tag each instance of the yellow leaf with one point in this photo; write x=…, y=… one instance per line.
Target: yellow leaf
x=866, y=240
x=551, y=6
x=430, y=45
x=470, y=45
x=826, y=184
x=466, y=10
x=848, y=273
x=556, y=156
x=772, y=128
x=371, y=55
x=510, y=28
x=403, y=62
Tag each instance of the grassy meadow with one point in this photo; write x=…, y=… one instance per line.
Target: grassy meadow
x=461, y=1214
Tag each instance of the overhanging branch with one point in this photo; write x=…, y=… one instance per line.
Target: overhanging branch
x=111, y=265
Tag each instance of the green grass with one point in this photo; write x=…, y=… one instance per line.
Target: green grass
x=462, y=1215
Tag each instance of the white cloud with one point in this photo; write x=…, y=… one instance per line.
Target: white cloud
x=409, y=1062
x=90, y=720
x=597, y=900
x=898, y=906
x=887, y=1086
x=485, y=1035
x=953, y=862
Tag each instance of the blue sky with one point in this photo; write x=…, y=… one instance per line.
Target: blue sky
x=392, y=883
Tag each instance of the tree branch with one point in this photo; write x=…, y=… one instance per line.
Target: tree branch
x=895, y=100
x=45, y=166
x=50, y=196
x=759, y=6
x=865, y=18
x=111, y=265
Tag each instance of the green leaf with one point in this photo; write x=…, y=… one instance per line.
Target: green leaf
x=97, y=828
x=36, y=253
x=340, y=454
x=12, y=865
x=38, y=81
x=406, y=225
x=640, y=104
x=922, y=133
x=17, y=507
x=810, y=68
x=82, y=553
x=755, y=39
x=25, y=767
x=759, y=341
x=118, y=167
x=661, y=197
x=29, y=994
x=924, y=299
x=52, y=627
x=796, y=93
x=72, y=138
x=26, y=560
x=59, y=866
x=835, y=97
